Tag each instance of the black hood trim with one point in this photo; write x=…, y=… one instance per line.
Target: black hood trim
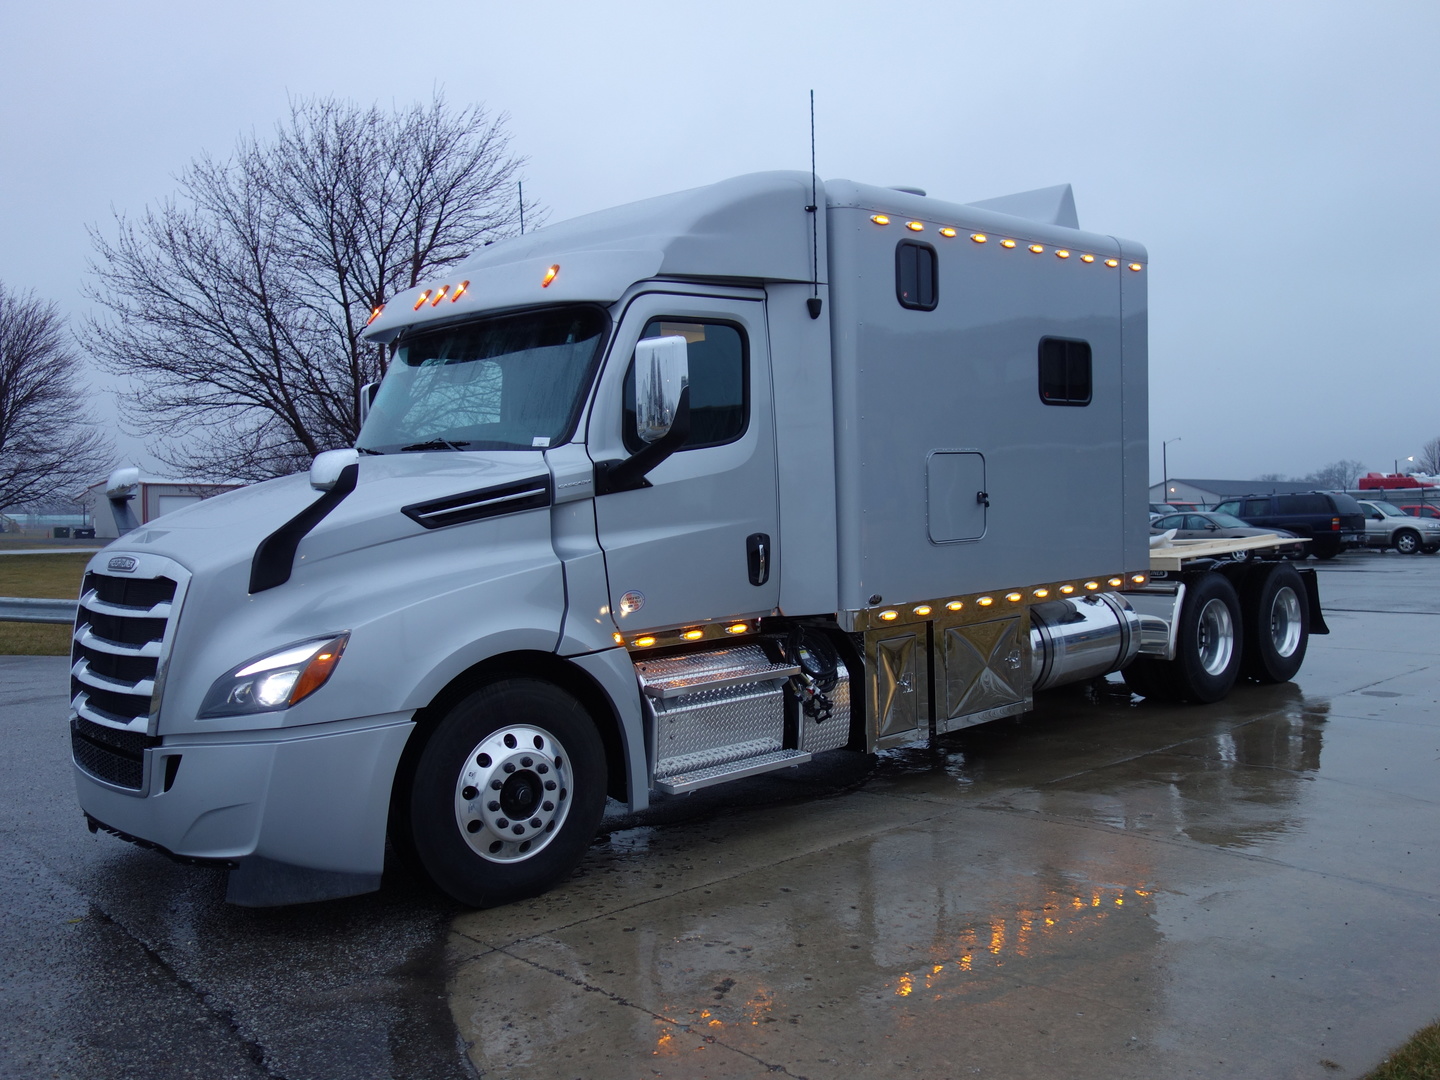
x=275, y=557
x=531, y=494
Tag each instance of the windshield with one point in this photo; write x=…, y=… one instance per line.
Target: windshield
x=515, y=382
x=1389, y=509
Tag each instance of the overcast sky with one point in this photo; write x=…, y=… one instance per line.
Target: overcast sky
x=1278, y=160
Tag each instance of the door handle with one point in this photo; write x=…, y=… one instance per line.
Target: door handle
x=983, y=498
x=757, y=557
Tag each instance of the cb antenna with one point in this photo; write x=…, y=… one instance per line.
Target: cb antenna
x=813, y=301
x=520, y=184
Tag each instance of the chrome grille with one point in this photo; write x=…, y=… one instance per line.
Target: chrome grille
x=123, y=628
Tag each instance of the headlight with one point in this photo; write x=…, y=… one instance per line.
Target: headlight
x=276, y=680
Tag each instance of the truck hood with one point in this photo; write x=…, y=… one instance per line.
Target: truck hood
x=219, y=532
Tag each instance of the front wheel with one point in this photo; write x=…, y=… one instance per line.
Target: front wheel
x=1407, y=542
x=507, y=793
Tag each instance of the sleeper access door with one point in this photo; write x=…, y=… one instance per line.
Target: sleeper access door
x=699, y=547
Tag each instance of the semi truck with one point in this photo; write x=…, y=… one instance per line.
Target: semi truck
x=659, y=498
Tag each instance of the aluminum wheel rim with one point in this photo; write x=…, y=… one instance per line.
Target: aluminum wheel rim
x=1285, y=621
x=513, y=794
x=1217, y=637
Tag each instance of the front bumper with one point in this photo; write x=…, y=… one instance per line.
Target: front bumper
x=298, y=814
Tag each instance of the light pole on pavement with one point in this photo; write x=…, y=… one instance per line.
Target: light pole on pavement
x=1165, y=469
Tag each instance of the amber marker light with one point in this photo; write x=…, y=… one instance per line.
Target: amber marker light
x=1037, y=248
x=954, y=605
x=979, y=237
x=737, y=628
x=1112, y=263
x=1138, y=579
x=880, y=219
x=889, y=615
x=693, y=635
x=439, y=294
x=1092, y=585
x=1062, y=254
x=985, y=601
x=915, y=226
x=459, y=291
x=619, y=638
x=1040, y=594
x=1007, y=243
x=375, y=314
x=923, y=609
x=1136, y=266
x=1014, y=597
x=1087, y=258
x=550, y=276
x=423, y=297
x=947, y=231
x=1067, y=589
x=644, y=642
x=1116, y=582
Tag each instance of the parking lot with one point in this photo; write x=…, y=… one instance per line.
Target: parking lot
x=1107, y=887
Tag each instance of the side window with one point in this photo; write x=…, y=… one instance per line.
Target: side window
x=1064, y=371
x=1257, y=507
x=917, y=275
x=719, y=361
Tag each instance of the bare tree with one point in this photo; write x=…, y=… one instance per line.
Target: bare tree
x=1270, y=477
x=49, y=446
x=1337, y=476
x=236, y=307
x=1428, y=460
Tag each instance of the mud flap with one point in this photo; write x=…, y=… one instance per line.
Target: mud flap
x=1312, y=592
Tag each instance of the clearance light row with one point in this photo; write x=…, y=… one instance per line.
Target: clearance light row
x=1015, y=596
x=981, y=238
x=434, y=296
x=680, y=637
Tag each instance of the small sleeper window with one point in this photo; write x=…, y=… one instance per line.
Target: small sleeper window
x=917, y=276
x=1064, y=371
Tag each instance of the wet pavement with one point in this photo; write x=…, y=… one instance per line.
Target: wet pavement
x=1104, y=888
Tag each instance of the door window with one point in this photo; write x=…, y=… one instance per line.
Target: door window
x=719, y=388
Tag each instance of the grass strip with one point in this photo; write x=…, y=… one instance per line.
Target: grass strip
x=1418, y=1059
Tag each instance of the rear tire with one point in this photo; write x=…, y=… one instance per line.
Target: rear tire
x=1276, y=622
x=1324, y=549
x=1208, y=644
x=507, y=793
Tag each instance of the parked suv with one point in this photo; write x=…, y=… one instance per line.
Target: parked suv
x=1387, y=526
x=1331, y=520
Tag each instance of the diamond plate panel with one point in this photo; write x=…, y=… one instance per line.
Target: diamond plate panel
x=833, y=733
x=711, y=727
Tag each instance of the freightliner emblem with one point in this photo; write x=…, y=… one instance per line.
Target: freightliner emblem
x=122, y=564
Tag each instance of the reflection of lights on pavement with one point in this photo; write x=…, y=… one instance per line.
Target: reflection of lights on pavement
x=905, y=986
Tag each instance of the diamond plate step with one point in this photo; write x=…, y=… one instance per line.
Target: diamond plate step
x=734, y=770
x=676, y=676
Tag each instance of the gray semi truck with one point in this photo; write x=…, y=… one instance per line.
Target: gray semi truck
x=658, y=498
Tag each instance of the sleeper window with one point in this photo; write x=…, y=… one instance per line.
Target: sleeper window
x=917, y=275
x=1064, y=371
x=719, y=399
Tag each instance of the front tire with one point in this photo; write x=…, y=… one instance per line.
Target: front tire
x=1407, y=542
x=507, y=793
x=1276, y=621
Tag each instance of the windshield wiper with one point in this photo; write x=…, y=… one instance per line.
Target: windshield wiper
x=367, y=450
x=434, y=444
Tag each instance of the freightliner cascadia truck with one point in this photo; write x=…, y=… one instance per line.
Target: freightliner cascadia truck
x=661, y=497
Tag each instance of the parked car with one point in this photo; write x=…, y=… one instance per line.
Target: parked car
x=1387, y=526
x=1212, y=525
x=1425, y=510
x=1331, y=521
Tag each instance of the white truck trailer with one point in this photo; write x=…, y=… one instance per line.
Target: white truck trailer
x=658, y=498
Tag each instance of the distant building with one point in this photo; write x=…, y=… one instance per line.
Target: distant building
x=1210, y=492
x=155, y=496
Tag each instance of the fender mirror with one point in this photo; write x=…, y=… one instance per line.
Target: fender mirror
x=367, y=398
x=662, y=371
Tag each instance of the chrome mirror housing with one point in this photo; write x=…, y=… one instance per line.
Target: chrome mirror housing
x=662, y=371
x=326, y=468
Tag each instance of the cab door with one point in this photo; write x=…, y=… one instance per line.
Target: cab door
x=700, y=544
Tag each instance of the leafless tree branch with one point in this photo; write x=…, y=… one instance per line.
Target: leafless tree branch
x=236, y=307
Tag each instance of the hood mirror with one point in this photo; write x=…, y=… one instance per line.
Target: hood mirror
x=326, y=468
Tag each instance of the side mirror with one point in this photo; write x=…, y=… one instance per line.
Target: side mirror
x=367, y=398
x=662, y=371
x=326, y=468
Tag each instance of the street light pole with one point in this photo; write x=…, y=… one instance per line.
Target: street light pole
x=1165, y=469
